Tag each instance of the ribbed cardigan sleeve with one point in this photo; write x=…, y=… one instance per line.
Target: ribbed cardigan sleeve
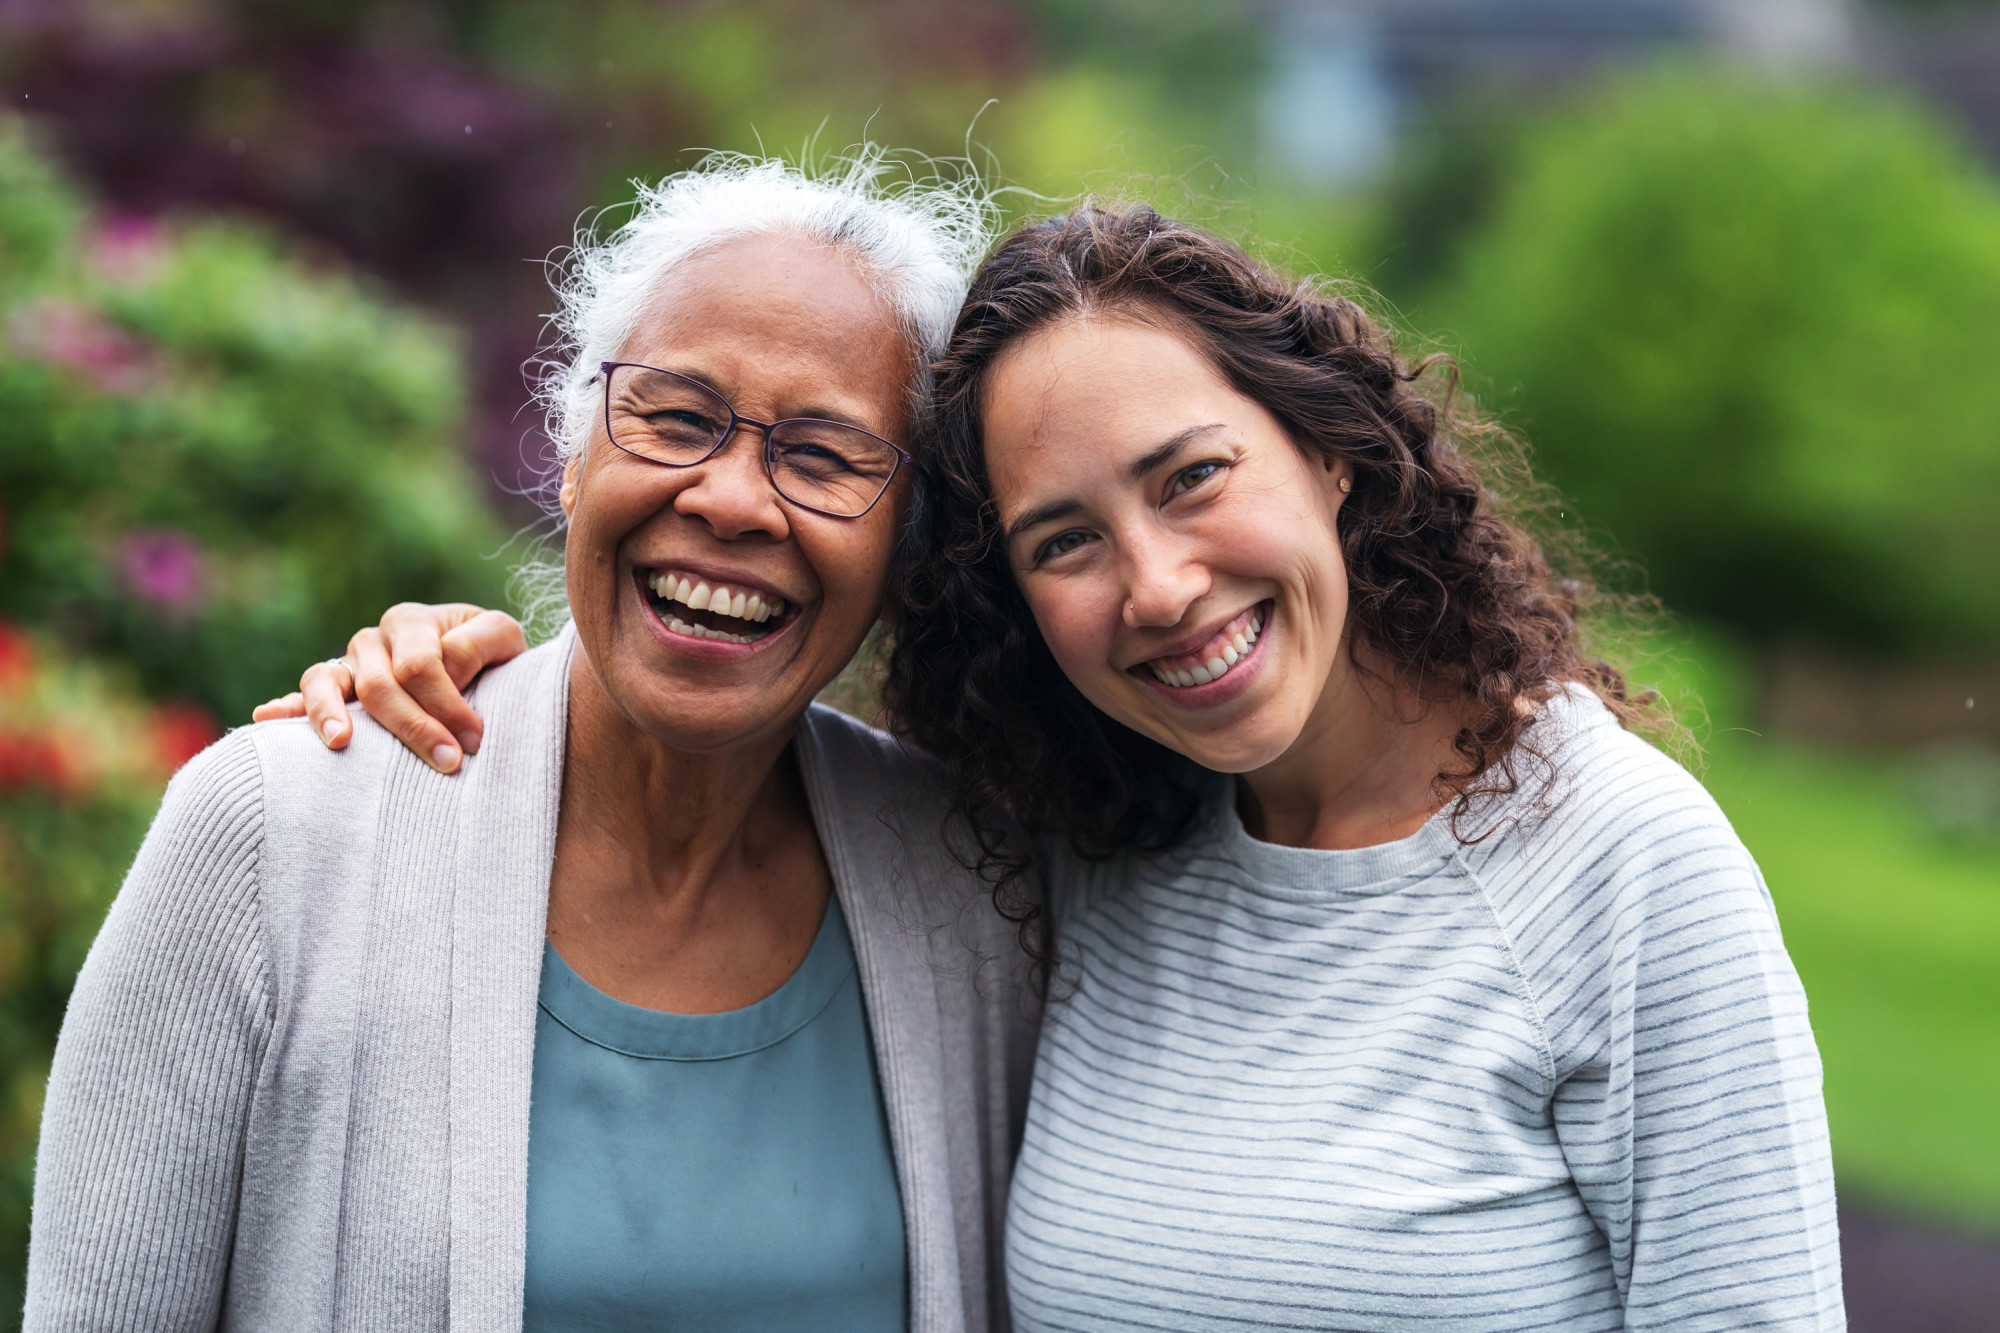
x=143, y=1129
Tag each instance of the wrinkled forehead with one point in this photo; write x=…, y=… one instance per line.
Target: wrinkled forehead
x=765, y=310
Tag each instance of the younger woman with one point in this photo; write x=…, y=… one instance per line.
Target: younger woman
x=1400, y=986
x=1457, y=1005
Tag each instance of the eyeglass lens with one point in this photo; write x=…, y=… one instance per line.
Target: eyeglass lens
x=821, y=465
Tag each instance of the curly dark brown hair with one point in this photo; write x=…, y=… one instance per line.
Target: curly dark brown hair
x=1448, y=586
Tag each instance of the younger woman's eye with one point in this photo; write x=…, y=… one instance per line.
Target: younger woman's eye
x=1190, y=477
x=1061, y=544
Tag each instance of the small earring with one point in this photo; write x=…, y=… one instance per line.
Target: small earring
x=1346, y=485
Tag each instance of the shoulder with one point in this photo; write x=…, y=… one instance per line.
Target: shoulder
x=871, y=775
x=872, y=790
x=1608, y=836
x=861, y=749
x=1589, y=784
x=1630, y=902
x=535, y=684
x=216, y=799
x=885, y=808
x=313, y=793
x=303, y=782
x=195, y=889
x=1078, y=880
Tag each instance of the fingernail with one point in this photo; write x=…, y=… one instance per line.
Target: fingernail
x=445, y=758
x=330, y=729
x=469, y=740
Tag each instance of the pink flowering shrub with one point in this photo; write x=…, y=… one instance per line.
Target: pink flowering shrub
x=216, y=459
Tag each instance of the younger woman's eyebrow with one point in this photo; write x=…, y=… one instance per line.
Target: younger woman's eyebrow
x=1040, y=514
x=1146, y=462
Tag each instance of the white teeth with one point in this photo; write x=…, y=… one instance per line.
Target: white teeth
x=1233, y=651
x=697, y=595
x=679, y=626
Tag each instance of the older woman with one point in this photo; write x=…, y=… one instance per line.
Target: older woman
x=651, y=1017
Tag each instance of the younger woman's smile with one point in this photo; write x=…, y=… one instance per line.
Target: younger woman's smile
x=1226, y=657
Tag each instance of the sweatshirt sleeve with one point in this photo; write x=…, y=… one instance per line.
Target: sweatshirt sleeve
x=142, y=1131
x=1686, y=1082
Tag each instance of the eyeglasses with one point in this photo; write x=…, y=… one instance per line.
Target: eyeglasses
x=825, y=466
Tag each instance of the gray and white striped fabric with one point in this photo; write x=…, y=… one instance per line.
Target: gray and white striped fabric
x=1559, y=1079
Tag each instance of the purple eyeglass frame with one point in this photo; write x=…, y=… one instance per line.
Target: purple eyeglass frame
x=736, y=419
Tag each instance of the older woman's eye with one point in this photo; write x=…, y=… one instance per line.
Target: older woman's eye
x=680, y=417
x=1190, y=477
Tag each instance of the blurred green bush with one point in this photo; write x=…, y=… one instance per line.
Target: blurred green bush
x=1750, y=329
x=216, y=459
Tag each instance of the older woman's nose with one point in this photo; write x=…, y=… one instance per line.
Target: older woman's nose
x=731, y=492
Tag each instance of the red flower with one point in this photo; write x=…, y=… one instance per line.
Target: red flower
x=28, y=759
x=180, y=732
x=17, y=658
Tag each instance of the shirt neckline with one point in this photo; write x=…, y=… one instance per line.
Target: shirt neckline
x=650, y=1034
x=1309, y=872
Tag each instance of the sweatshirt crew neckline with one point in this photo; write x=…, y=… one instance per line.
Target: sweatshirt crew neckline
x=1305, y=873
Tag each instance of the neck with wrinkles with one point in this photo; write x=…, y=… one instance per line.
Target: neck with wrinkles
x=685, y=880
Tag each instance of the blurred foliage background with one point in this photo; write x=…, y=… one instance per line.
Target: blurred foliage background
x=269, y=273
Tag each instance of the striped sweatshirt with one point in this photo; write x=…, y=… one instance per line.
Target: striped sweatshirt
x=1558, y=1078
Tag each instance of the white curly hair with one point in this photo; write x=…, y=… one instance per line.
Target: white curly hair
x=915, y=231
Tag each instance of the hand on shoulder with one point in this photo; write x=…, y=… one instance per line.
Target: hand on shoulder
x=411, y=673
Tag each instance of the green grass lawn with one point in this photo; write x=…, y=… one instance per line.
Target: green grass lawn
x=1895, y=928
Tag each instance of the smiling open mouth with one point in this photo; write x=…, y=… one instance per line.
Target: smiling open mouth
x=689, y=605
x=1214, y=659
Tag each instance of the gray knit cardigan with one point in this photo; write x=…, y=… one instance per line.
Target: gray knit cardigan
x=291, y=1091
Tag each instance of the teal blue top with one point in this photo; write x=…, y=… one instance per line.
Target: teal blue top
x=718, y=1172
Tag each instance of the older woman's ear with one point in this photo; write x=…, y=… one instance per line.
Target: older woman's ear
x=566, y=497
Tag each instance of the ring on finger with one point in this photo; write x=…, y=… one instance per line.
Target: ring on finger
x=341, y=662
